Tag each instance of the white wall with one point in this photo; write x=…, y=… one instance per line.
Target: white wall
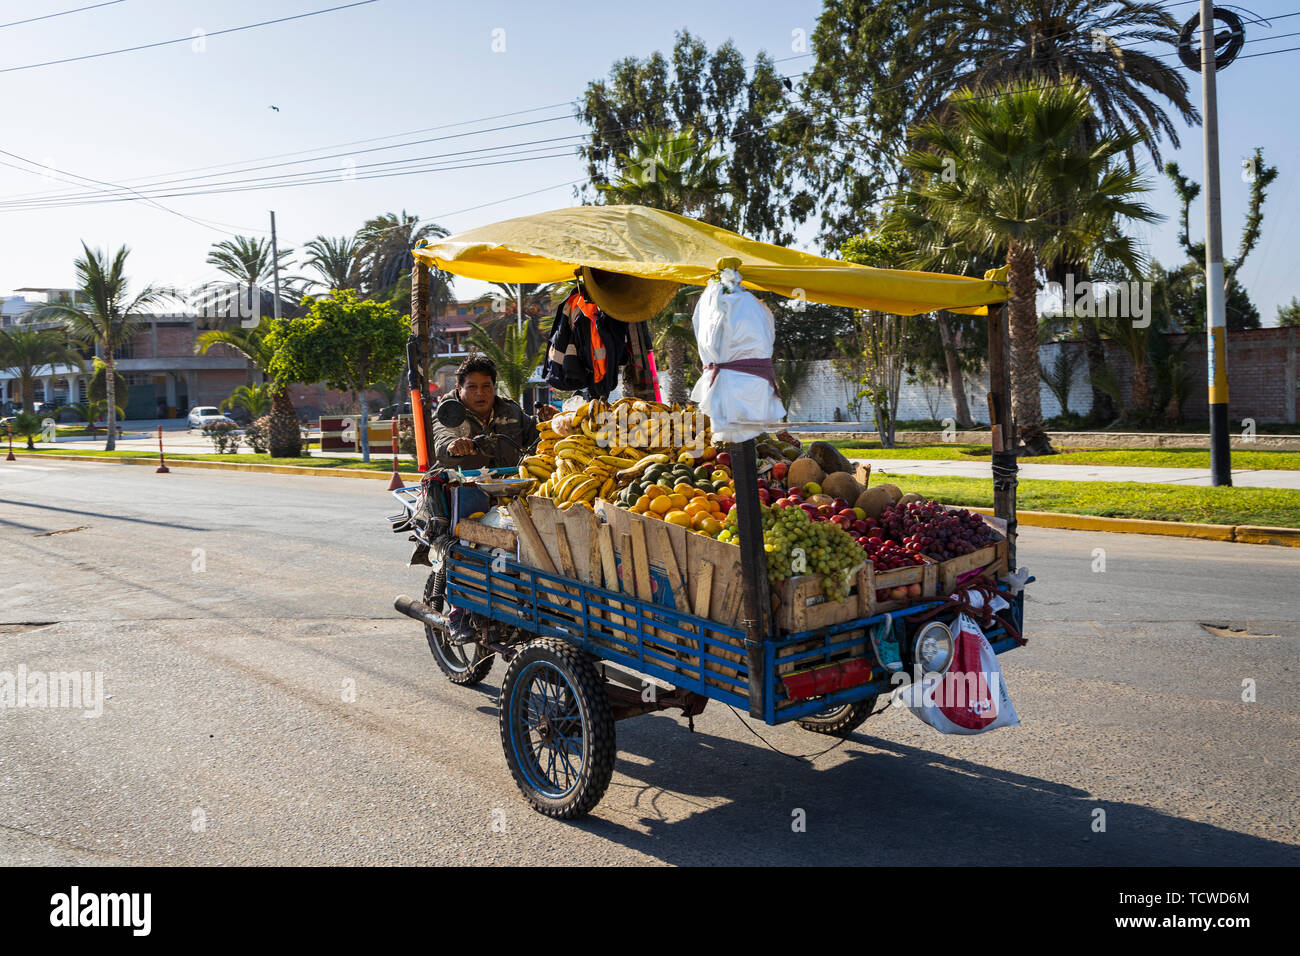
x=825, y=391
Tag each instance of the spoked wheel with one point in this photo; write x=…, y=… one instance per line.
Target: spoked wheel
x=464, y=664
x=839, y=720
x=557, y=728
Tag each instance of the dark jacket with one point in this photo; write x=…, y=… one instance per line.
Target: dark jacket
x=507, y=419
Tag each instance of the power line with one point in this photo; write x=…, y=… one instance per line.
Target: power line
x=62, y=13
x=186, y=39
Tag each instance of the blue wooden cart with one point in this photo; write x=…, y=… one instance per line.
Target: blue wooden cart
x=580, y=657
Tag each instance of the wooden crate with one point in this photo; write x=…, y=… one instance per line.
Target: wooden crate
x=476, y=533
x=804, y=607
x=991, y=559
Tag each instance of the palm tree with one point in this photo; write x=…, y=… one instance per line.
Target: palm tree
x=385, y=243
x=674, y=170
x=254, y=399
x=108, y=318
x=985, y=45
x=1025, y=186
x=337, y=260
x=248, y=261
x=285, y=439
x=514, y=361
x=24, y=351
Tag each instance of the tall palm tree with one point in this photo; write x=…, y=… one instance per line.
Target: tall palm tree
x=24, y=351
x=336, y=260
x=248, y=261
x=107, y=319
x=1025, y=186
x=254, y=399
x=985, y=45
x=514, y=360
x=675, y=170
x=285, y=439
x=385, y=244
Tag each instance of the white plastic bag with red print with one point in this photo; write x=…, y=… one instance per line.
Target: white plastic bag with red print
x=971, y=697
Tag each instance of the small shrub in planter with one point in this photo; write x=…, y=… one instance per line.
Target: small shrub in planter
x=258, y=435
x=223, y=437
x=406, y=436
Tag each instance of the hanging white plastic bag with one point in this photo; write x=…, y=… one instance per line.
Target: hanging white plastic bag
x=971, y=697
x=733, y=326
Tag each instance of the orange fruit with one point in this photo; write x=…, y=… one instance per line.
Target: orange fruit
x=678, y=501
x=697, y=493
x=680, y=518
x=654, y=491
x=709, y=526
x=661, y=504
x=642, y=504
x=727, y=492
x=683, y=489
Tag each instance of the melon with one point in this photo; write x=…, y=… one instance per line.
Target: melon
x=802, y=471
x=842, y=485
x=873, y=501
x=895, y=492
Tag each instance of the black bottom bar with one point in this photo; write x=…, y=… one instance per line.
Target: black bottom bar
x=1220, y=451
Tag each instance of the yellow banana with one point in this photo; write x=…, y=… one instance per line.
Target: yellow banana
x=607, y=488
x=616, y=461
x=587, y=489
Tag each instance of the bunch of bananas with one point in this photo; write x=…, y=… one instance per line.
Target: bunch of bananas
x=596, y=448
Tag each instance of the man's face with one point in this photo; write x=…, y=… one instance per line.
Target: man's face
x=478, y=392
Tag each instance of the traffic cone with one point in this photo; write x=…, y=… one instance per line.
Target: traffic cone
x=10, y=456
x=162, y=468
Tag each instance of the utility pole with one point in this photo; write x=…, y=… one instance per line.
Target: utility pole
x=1216, y=329
x=275, y=269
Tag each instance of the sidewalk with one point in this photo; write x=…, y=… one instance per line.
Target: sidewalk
x=1243, y=478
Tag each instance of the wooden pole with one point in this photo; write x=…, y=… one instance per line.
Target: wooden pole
x=755, y=602
x=1003, y=426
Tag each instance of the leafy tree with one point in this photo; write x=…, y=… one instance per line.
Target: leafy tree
x=345, y=342
x=249, y=263
x=673, y=170
x=107, y=316
x=721, y=101
x=1007, y=172
x=1240, y=314
x=385, y=243
x=26, y=425
x=1289, y=314
x=284, y=439
x=25, y=351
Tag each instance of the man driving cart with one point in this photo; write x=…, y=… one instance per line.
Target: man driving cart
x=496, y=432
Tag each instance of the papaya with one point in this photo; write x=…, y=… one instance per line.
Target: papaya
x=873, y=501
x=802, y=471
x=842, y=485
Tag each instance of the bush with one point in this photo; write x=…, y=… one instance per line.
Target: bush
x=406, y=436
x=223, y=437
x=258, y=434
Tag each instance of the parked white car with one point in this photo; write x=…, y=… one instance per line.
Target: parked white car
x=202, y=415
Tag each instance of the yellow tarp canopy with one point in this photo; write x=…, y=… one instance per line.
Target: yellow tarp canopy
x=641, y=241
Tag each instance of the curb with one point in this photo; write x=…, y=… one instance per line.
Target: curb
x=1242, y=534
x=413, y=477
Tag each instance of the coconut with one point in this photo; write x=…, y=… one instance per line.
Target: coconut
x=820, y=500
x=842, y=485
x=873, y=501
x=895, y=492
x=802, y=471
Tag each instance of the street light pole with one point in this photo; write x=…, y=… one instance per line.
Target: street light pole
x=275, y=270
x=1216, y=329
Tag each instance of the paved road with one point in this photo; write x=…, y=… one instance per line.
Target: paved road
x=232, y=614
x=1241, y=477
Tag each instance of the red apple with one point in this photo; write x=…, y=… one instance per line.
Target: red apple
x=860, y=527
x=841, y=505
x=723, y=459
x=762, y=483
x=779, y=470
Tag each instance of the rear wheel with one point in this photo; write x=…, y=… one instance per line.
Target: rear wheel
x=464, y=664
x=839, y=720
x=557, y=728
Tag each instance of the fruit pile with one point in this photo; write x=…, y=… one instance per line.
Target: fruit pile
x=694, y=493
x=796, y=544
x=929, y=528
x=580, y=454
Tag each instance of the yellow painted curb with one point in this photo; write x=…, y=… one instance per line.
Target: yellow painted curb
x=1177, y=529
x=1257, y=534
x=235, y=466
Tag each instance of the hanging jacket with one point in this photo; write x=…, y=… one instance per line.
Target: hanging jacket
x=586, y=350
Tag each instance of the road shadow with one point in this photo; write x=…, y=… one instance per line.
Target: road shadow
x=888, y=803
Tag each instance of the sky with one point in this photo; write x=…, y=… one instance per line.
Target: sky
x=348, y=82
